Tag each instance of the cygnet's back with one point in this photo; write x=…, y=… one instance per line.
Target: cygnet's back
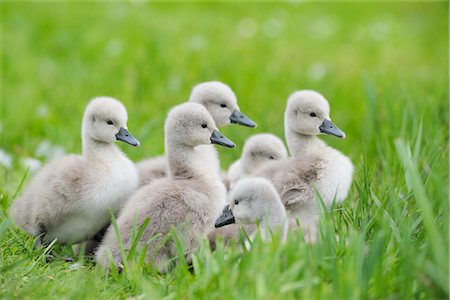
x=295, y=180
x=259, y=150
x=190, y=199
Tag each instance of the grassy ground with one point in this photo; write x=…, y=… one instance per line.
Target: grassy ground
x=383, y=67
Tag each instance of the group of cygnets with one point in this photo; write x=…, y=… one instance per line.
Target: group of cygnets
x=72, y=198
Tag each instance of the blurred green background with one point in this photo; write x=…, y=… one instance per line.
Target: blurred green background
x=57, y=56
x=383, y=67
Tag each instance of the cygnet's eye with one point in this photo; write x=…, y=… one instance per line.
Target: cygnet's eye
x=236, y=202
x=313, y=114
x=109, y=122
x=223, y=105
x=204, y=125
x=271, y=157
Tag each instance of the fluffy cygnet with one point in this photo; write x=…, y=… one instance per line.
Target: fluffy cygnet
x=313, y=164
x=70, y=198
x=255, y=201
x=258, y=150
x=190, y=198
x=221, y=102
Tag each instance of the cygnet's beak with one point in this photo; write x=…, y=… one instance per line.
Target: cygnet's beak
x=238, y=117
x=125, y=136
x=226, y=217
x=329, y=128
x=220, y=139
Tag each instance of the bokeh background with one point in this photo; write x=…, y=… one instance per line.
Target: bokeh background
x=382, y=66
x=56, y=57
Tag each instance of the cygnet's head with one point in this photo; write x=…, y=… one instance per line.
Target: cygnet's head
x=252, y=200
x=260, y=149
x=221, y=102
x=105, y=121
x=190, y=124
x=308, y=113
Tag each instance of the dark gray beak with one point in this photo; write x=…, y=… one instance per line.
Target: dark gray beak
x=126, y=137
x=226, y=218
x=220, y=139
x=329, y=128
x=239, y=118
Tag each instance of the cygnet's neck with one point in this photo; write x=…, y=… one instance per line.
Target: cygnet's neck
x=299, y=143
x=274, y=220
x=185, y=162
x=95, y=150
x=275, y=217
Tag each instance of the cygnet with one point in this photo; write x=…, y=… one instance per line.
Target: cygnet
x=189, y=199
x=259, y=150
x=70, y=198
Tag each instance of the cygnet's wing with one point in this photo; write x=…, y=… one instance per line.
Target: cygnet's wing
x=48, y=195
x=294, y=191
x=294, y=179
x=64, y=187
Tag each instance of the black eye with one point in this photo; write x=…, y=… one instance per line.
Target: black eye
x=236, y=202
x=313, y=114
x=204, y=125
x=223, y=105
x=109, y=122
x=271, y=157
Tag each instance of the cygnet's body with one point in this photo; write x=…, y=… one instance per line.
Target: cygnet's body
x=70, y=198
x=190, y=199
x=254, y=200
x=259, y=150
x=313, y=165
x=221, y=103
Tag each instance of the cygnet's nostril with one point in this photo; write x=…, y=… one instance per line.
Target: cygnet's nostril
x=126, y=135
x=242, y=117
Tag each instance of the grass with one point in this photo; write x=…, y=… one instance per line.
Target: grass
x=383, y=67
